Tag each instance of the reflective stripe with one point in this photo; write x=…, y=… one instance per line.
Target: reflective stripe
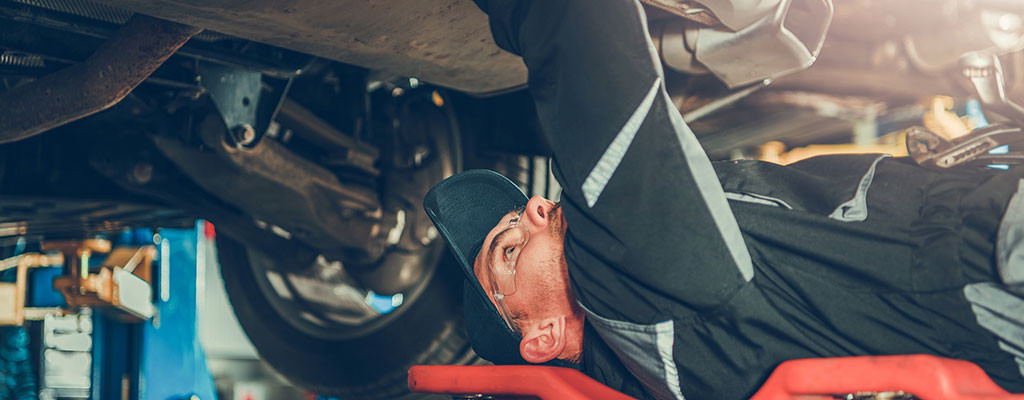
x=704, y=175
x=1010, y=243
x=711, y=190
x=755, y=198
x=666, y=337
x=856, y=209
x=602, y=172
x=645, y=350
x=997, y=308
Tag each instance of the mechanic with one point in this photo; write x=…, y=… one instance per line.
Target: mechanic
x=663, y=275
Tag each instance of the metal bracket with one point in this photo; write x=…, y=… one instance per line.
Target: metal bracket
x=236, y=93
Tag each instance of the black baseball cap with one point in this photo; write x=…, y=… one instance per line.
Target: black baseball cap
x=464, y=208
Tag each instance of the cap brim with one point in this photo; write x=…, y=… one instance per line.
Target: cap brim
x=464, y=208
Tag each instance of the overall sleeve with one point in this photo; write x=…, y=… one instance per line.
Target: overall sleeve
x=641, y=200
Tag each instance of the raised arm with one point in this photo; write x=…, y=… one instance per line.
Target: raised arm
x=640, y=196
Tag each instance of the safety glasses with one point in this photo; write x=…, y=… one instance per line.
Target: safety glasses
x=508, y=245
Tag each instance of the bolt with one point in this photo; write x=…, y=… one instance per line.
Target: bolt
x=142, y=172
x=244, y=134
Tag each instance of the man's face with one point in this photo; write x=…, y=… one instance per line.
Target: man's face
x=538, y=267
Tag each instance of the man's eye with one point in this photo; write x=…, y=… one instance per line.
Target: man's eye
x=509, y=251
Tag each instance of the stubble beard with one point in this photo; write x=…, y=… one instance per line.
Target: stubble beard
x=555, y=268
x=555, y=222
x=557, y=226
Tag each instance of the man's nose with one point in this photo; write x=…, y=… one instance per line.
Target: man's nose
x=537, y=210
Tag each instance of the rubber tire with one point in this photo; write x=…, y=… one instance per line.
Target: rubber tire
x=374, y=366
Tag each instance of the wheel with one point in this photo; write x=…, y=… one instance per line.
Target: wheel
x=349, y=330
x=367, y=365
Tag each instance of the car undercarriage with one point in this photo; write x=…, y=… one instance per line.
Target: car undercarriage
x=308, y=132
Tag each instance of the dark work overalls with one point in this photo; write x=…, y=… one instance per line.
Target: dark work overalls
x=698, y=278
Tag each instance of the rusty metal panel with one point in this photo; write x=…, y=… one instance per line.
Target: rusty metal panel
x=120, y=64
x=445, y=42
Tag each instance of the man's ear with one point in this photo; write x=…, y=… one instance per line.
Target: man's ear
x=544, y=341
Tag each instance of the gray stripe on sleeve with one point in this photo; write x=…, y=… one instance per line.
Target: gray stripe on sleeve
x=711, y=189
x=998, y=308
x=755, y=198
x=856, y=209
x=645, y=351
x=704, y=175
x=697, y=161
x=665, y=340
x=605, y=168
x=1010, y=243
